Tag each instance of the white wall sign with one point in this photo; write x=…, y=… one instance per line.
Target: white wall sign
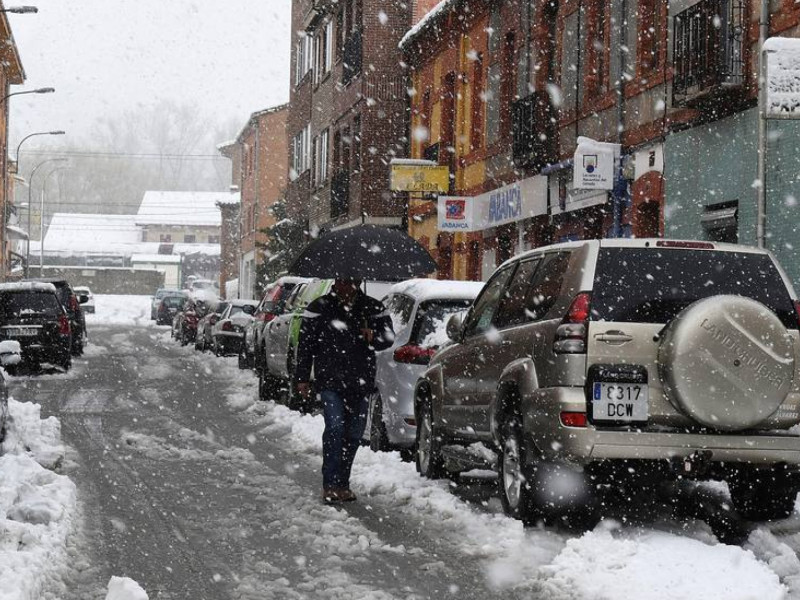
x=595, y=164
x=783, y=77
x=456, y=213
x=508, y=204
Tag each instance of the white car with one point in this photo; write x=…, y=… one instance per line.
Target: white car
x=80, y=292
x=420, y=309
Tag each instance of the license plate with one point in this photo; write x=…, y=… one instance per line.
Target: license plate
x=22, y=332
x=626, y=402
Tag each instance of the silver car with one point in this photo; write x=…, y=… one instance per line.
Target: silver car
x=419, y=309
x=603, y=365
x=227, y=333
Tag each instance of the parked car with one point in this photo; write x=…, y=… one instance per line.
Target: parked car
x=197, y=285
x=69, y=300
x=31, y=314
x=228, y=332
x=272, y=305
x=204, y=341
x=280, y=342
x=87, y=305
x=168, y=307
x=158, y=296
x=596, y=366
x=419, y=309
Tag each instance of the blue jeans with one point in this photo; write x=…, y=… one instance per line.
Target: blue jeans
x=345, y=418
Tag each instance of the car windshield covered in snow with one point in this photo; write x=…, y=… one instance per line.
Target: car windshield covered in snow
x=643, y=285
x=18, y=304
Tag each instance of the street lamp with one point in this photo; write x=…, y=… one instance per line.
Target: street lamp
x=21, y=10
x=30, y=201
x=30, y=135
x=41, y=221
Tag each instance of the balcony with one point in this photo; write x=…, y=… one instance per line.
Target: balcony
x=533, y=127
x=352, y=56
x=708, y=51
x=340, y=195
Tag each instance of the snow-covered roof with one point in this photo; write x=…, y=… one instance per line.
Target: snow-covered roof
x=783, y=75
x=27, y=286
x=437, y=289
x=96, y=233
x=182, y=208
x=156, y=258
x=428, y=19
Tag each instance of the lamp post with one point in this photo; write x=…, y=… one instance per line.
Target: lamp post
x=41, y=220
x=30, y=201
x=30, y=135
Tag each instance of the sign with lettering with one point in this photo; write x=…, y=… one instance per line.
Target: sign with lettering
x=508, y=204
x=595, y=165
x=420, y=178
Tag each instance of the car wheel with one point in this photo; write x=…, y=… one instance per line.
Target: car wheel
x=378, y=440
x=516, y=478
x=66, y=364
x=430, y=462
x=767, y=495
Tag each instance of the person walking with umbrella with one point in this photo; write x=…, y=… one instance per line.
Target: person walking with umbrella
x=339, y=335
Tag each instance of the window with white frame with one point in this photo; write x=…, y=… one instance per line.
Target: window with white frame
x=328, y=46
x=301, y=153
x=321, y=158
x=323, y=52
x=304, y=57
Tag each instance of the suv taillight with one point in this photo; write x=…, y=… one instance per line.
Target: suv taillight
x=411, y=354
x=572, y=334
x=63, y=325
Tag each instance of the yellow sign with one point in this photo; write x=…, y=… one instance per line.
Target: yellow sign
x=420, y=178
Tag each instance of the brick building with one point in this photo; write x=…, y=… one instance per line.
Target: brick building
x=261, y=177
x=502, y=91
x=348, y=112
x=11, y=73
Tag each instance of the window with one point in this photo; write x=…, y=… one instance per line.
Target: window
x=323, y=52
x=189, y=238
x=328, y=46
x=478, y=94
x=301, y=153
x=302, y=57
x=597, y=79
x=340, y=34
x=546, y=285
x=213, y=239
x=356, y=143
x=399, y=308
x=321, y=158
x=165, y=238
x=482, y=314
x=721, y=222
x=513, y=309
x=493, y=104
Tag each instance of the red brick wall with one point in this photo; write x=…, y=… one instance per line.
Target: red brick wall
x=421, y=8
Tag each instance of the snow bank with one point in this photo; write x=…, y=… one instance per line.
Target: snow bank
x=654, y=565
x=37, y=506
x=120, y=310
x=123, y=588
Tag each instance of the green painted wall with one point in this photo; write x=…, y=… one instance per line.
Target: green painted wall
x=718, y=163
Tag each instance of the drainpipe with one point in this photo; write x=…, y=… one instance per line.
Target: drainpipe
x=761, y=189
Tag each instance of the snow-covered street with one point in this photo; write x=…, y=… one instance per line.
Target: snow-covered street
x=172, y=475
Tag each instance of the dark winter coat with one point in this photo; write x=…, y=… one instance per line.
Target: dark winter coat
x=331, y=341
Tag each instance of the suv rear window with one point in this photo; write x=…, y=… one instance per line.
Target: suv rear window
x=639, y=285
x=20, y=304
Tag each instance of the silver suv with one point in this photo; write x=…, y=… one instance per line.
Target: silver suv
x=599, y=364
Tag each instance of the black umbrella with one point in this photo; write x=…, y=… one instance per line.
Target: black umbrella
x=366, y=252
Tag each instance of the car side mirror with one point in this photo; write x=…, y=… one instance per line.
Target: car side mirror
x=454, y=325
x=10, y=353
x=83, y=299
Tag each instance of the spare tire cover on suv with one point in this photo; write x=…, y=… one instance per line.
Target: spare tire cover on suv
x=727, y=362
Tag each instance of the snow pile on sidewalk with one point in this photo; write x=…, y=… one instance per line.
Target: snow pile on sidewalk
x=120, y=310
x=123, y=588
x=37, y=506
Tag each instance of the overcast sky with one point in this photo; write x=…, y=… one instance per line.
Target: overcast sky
x=103, y=57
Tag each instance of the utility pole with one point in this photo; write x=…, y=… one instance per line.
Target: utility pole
x=761, y=188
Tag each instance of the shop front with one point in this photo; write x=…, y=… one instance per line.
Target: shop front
x=476, y=234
